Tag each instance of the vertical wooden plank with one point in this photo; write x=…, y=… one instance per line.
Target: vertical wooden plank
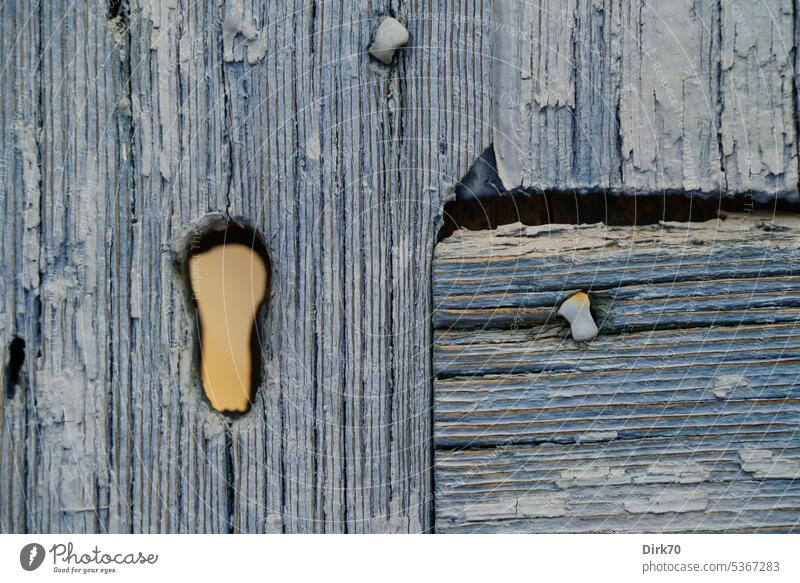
x=273, y=466
x=634, y=96
x=669, y=97
x=119, y=234
x=445, y=125
x=20, y=200
x=556, y=78
x=680, y=416
x=596, y=138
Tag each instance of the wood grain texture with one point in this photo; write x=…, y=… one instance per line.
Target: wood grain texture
x=680, y=416
x=742, y=270
x=133, y=126
x=634, y=96
x=495, y=390
x=69, y=149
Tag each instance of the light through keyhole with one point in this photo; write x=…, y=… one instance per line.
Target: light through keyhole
x=229, y=275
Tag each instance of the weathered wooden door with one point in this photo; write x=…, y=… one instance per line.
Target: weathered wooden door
x=124, y=123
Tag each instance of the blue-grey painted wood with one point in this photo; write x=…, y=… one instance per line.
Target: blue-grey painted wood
x=741, y=482
x=681, y=415
x=64, y=94
x=646, y=97
x=659, y=384
x=20, y=209
x=122, y=128
x=741, y=270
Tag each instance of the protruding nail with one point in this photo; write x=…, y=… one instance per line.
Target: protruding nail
x=576, y=311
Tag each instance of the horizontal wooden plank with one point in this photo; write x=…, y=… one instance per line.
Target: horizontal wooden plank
x=743, y=270
x=458, y=353
x=742, y=481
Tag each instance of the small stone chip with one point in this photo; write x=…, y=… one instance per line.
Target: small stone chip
x=576, y=311
x=390, y=36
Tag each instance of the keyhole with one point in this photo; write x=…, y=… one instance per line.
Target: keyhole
x=229, y=275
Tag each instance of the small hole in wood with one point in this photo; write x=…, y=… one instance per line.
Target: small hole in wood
x=229, y=273
x=16, y=358
x=116, y=8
